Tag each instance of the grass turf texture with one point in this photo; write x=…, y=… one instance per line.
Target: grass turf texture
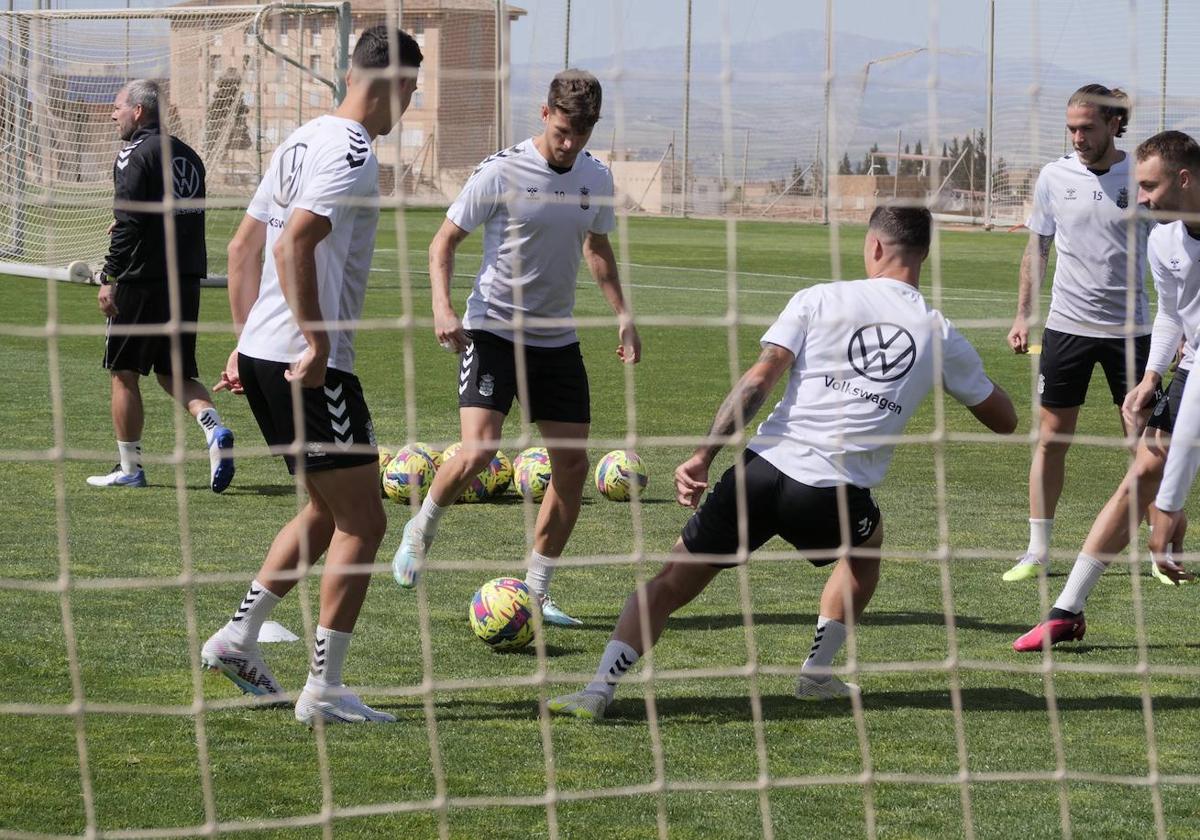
x=133, y=644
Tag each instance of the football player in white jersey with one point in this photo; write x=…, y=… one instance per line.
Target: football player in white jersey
x=314, y=216
x=862, y=355
x=1080, y=205
x=542, y=203
x=1174, y=187
x=1168, y=177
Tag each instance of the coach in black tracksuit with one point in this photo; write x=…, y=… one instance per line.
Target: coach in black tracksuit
x=135, y=281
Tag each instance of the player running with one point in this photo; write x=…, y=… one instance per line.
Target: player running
x=861, y=356
x=315, y=215
x=1080, y=205
x=1168, y=177
x=541, y=204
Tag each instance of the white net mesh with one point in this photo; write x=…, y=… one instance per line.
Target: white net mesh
x=232, y=98
x=112, y=728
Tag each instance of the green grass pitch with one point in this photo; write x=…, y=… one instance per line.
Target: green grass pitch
x=133, y=643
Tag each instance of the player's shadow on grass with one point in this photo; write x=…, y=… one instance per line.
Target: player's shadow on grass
x=728, y=621
x=281, y=489
x=782, y=707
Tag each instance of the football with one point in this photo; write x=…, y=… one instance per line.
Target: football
x=79, y=272
x=531, y=473
x=408, y=475
x=500, y=614
x=617, y=472
x=491, y=482
x=385, y=457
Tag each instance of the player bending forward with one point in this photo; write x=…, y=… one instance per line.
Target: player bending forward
x=315, y=215
x=1168, y=176
x=862, y=358
x=541, y=203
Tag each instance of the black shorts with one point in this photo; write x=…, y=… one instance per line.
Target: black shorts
x=1166, y=409
x=558, y=382
x=807, y=517
x=147, y=303
x=1067, y=362
x=335, y=416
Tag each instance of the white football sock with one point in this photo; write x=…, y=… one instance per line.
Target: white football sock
x=541, y=568
x=1084, y=575
x=249, y=617
x=827, y=642
x=617, y=659
x=427, y=519
x=329, y=655
x=131, y=455
x=209, y=420
x=1039, y=538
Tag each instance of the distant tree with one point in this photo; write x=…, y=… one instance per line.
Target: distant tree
x=845, y=167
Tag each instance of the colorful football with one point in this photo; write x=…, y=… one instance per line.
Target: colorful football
x=408, y=475
x=492, y=481
x=617, y=472
x=531, y=473
x=500, y=614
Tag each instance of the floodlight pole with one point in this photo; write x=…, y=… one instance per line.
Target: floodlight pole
x=991, y=94
x=687, y=104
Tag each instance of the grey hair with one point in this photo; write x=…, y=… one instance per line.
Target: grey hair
x=143, y=92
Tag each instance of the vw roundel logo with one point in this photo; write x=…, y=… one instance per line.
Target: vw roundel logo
x=185, y=178
x=291, y=167
x=882, y=352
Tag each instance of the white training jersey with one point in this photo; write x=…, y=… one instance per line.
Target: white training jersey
x=535, y=220
x=866, y=354
x=1086, y=214
x=327, y=167
x=1174, y=257
x=1175, y=263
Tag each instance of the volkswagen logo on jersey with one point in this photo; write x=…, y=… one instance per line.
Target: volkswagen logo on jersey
x=584, y=201
x=882, y=352
x=185, y=178
x=291, y=166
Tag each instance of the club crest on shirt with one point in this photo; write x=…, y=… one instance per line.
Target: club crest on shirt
x=584, y=200
x=1123, y=198
x=1175, y=263
x=291, y=167
x=487, y=384
x=882, y=352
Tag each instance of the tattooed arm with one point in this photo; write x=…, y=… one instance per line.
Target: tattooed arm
x=737, y=409
x=1033, y=271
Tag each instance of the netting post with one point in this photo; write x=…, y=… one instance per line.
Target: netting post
x=687, y=104
x=567, y=39
x=343, y=59
x=1162, y=100
x=991, y=95
x=826, y=175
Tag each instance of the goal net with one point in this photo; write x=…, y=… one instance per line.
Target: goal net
x=237, y=79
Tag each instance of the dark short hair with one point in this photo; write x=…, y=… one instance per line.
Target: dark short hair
x=576, y=93
x=1176, y=149
x=373, y=51
x=1110, y=102
x=910, y=228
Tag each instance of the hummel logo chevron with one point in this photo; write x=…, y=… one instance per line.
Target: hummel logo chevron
x=337, y=409
x=340, y=428
x=333, y=393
